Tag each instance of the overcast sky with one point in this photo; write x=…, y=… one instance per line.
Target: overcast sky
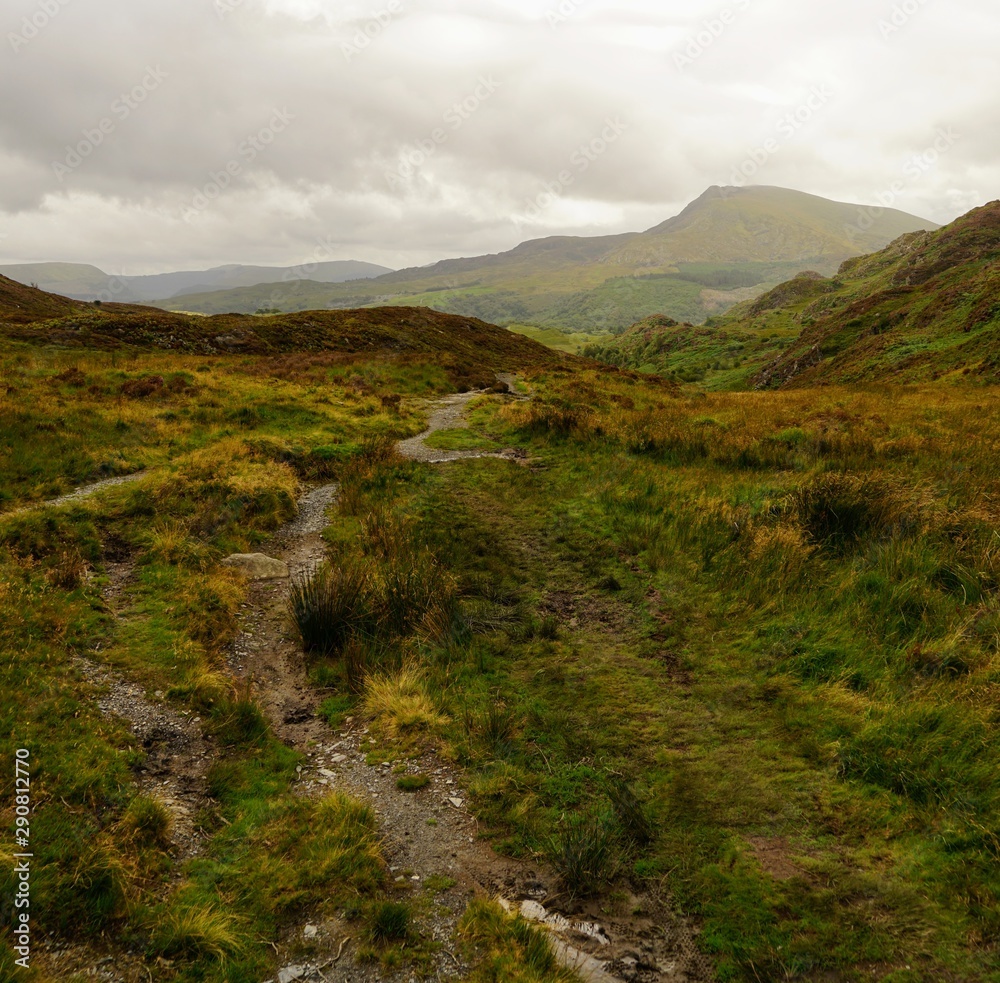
x=168, y=134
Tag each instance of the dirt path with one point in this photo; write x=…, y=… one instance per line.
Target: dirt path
x=84, y=491
x=447, y=414
x=430, y=839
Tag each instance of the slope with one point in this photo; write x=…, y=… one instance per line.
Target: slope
x=926, y=307
x=20, y=304
x=469, y=350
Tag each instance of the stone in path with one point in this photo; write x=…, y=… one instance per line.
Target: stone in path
x=257, y=566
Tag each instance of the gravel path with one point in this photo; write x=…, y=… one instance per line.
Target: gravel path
x=447, y=414
x=430, y=839
x=84, y=491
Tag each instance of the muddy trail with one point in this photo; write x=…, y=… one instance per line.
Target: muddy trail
x=430, y=839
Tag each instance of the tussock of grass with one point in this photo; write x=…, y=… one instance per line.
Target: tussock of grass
x=148, y=822
x=585, y=853
x=197, y=932
x=402, y=706
x=389, y=921
x=330, y=605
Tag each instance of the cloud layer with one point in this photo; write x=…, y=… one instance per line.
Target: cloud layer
x=184, y=133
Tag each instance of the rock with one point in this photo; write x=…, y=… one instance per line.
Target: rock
x=310, y=931
x=257, y=566
x=457, y=803
x=338, y=758
x=291, y=973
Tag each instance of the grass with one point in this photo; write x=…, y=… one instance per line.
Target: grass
x=459, y=440
x=412, y=783
x=507, y=949
x=797, y=646
x=699, y=634
x=224, y=453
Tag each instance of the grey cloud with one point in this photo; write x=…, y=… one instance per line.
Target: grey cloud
x=369, y=84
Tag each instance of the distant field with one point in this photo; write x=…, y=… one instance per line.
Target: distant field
x=572, y=342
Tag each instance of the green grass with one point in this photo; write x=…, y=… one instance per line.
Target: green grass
x=460, y=440
x=795, y=657
x=738, y=647
x=224, y=473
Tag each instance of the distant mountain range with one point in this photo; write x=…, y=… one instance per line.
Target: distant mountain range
x=83, y=282
x=729, y=245
x=926, y=307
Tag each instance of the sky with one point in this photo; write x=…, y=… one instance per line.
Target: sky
x=159, y=135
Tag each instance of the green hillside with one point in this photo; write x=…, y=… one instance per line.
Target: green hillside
x=924, y=308
x=726, y=245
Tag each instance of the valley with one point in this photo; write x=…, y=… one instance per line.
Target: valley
x=697, y=663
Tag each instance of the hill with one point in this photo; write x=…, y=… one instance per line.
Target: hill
x=728, y=245
x=926, y=307
x=20, y=304
x=84, y=282
x=470, y=350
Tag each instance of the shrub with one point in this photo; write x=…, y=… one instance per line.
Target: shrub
x=329, y=605
x=584, y=854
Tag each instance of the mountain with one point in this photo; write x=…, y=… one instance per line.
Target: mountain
x=84, y=282
x=926, y=307
x=729, y=245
